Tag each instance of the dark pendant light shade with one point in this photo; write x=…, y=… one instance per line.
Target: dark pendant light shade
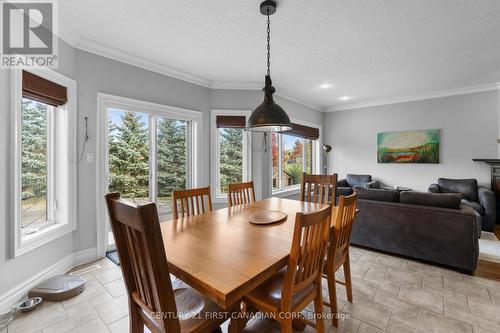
x=269, y=116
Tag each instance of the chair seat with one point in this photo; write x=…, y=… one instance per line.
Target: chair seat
x=474, y=205
x=196, y=313
x=344, y=190
x=269, y=293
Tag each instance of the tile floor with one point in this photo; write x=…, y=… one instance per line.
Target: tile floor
x=390, y=295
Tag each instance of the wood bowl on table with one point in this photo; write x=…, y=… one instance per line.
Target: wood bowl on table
x=268, y=217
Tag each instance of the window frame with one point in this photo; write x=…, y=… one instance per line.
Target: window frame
x=316, y=159
x=66, y=222
x=215, y=152
x=154, y=111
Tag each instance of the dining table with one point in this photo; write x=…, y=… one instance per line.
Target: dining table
x=224, y=256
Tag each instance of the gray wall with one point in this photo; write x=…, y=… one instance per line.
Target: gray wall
x=469, y=129
x=95, y=74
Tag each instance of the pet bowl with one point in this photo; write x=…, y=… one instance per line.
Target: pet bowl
x=30, y=304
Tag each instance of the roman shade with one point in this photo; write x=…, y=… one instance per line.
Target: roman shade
x=43, y=90
x=231, y=122
x=303, y=131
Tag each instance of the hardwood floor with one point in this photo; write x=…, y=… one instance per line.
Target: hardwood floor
x=488, y=269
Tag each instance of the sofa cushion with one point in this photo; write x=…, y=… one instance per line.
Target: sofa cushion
x=359, y=180
x=474, y=205
x=441, y=200
x=466, y=187
x=376, y=194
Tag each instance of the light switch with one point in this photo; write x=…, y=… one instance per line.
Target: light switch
x=90, y=157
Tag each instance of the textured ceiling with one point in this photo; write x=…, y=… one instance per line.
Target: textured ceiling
x=365, y=49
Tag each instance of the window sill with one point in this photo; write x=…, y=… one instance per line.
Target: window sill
x=31, y=242
x=286, y=192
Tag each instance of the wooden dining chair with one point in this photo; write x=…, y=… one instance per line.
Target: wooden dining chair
x=298, y=284
x=318, y=188
x=153, y=300
x=338, y=251
x=240, y=193
x=191, y=202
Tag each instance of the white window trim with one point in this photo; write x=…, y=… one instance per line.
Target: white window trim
x=105, y=101
x=295, y=189
x=214, y=152
x=19, y=245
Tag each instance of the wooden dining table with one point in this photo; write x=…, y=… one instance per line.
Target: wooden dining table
x=224, y=256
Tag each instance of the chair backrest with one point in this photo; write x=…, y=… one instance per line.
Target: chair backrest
x=240, y=193
x=309, y=242
x=137, y=234
x=340, y=235
x=318, y=188
x=191, y=202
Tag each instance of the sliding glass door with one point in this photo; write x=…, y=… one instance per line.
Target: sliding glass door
x=148, y=156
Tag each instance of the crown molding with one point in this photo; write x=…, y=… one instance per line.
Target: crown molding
x=253, y=85
x=306, y=103
x=67, y=34
x=416, y=97
x=91, y=46
x=236, y=85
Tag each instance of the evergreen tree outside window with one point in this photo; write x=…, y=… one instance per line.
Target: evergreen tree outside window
x=129, y=155
x=171, y=160
x=34, y=165
x=231, y=151
x=230, y=157
x=131, y=160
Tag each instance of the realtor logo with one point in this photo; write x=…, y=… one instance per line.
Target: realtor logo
x=29, y=33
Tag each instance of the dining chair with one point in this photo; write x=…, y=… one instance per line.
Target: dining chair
x=240, y=193
x=319, y=189
x=153, y=300
x=338, y=251
x=297, y=285
x=192, y=202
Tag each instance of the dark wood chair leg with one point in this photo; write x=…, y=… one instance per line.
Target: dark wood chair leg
x=318, y=310
x=347, y=278
x=136, y=322
x=332, y=291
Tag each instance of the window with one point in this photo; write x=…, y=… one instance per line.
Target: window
x=148, y=150
x=292, y=154
x=36, y=209
x=145, y=167
x=44, y=111
x=230, y=151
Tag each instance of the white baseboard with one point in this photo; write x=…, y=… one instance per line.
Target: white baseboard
x=62, y=266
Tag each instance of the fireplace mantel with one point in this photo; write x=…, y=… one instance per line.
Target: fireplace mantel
x=494, y=164
x=490, y=161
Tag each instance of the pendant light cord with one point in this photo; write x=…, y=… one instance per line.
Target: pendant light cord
x=268, y=44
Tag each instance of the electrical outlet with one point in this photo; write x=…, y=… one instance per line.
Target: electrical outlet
x=90, y=157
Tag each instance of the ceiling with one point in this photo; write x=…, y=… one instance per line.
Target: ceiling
x=368, y=50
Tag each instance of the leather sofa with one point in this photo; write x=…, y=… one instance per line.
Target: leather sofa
x=479, y=198
x=426, y=226
x=345, y=186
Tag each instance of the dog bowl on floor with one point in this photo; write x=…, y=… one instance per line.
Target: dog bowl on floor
x=30, y=304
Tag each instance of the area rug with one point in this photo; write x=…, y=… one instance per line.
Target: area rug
x=489, y=247
x=113, y=256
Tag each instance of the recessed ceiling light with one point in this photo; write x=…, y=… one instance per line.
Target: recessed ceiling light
x=325, y=85
x=344, y=98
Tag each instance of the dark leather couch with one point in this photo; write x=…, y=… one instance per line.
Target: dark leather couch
x=479, y=198
x=426, y=226
x=345, y=186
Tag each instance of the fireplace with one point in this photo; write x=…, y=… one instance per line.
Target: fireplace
x=495, y=178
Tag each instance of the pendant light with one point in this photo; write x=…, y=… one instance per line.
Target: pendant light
x=269, y=116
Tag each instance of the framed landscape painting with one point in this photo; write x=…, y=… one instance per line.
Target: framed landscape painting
x=408, y=146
